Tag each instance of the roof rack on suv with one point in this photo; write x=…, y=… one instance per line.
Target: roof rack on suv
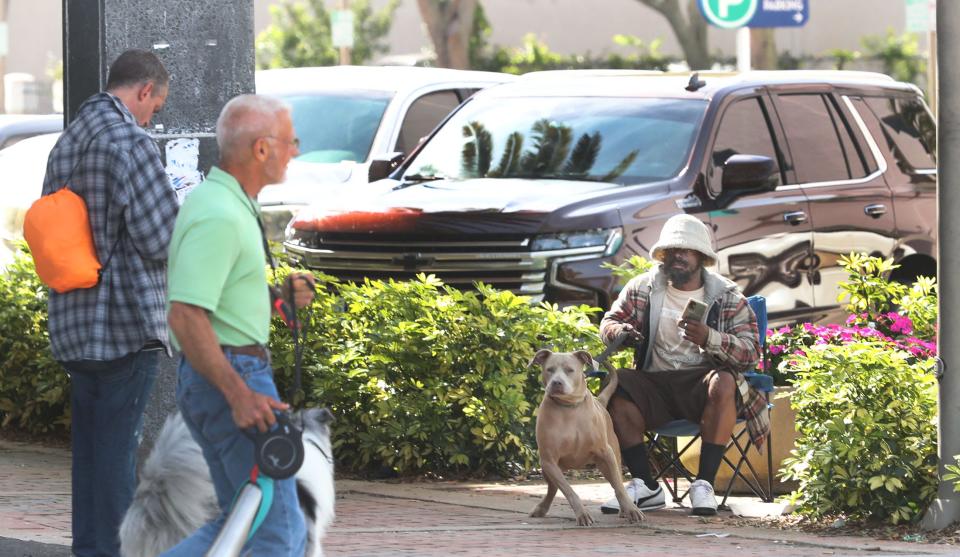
x=695, y=83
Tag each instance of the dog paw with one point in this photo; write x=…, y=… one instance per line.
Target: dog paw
x=633, y=514
x=584, y=519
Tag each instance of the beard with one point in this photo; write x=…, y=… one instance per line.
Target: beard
x=682, y=274
x=679, y=276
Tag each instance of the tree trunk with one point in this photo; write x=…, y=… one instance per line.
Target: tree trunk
x=763, y=49
x=449, y=23
x=690, y=28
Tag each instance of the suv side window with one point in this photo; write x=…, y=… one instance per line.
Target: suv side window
x=424, y=115
x=908, y=130
x=820, y=140
x=744, y=130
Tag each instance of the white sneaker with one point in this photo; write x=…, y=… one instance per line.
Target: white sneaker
x=702, y=499
x=645, y=498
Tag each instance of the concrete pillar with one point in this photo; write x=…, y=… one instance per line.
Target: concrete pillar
x=945, y=509
x=208, y=49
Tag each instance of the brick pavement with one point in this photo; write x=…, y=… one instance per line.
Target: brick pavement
x=427, y=519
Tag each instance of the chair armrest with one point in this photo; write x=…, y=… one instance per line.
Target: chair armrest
x=759, y=381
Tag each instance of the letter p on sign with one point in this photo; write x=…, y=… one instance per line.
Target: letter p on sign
x=729, y=14
x=725, y=7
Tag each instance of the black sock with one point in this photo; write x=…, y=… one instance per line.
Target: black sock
x=710, y=457
x=635, y=458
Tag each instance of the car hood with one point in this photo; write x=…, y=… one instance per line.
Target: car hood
x=307, y=181
x=515, y=204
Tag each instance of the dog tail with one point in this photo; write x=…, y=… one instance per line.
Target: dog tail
x=610, y=388
x=174, y=496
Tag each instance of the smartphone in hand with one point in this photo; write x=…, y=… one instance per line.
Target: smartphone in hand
x=694, y=311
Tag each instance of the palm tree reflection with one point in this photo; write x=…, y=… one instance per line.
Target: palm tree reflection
x=549, y=155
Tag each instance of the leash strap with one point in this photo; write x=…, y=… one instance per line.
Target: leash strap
x=605, y=355
x=265, y=484
x=287, y=309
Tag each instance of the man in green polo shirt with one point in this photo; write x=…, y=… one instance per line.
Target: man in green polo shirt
x=220, y=317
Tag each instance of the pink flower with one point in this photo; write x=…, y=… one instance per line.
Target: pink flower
x=776, y=349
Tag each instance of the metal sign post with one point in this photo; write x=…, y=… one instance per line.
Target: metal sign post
x=341, y=31
x=745, y=14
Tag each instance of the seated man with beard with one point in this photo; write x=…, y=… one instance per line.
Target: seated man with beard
x=686, y=368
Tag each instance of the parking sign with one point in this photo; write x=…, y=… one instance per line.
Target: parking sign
x=729, y=14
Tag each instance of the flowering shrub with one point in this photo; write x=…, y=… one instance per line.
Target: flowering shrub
x=867, y=447
x=900, y=316
x=865, y=399
x=785, y=343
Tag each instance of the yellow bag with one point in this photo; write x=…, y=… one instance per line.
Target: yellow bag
x=57, y=229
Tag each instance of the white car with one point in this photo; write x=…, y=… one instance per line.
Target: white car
x=22, y=166
x=346, y=117
x=17, y=127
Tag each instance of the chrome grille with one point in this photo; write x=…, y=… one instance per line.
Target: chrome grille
x=503, y=264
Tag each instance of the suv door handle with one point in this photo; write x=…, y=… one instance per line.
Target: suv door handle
x=795, y=218
x=875, y=211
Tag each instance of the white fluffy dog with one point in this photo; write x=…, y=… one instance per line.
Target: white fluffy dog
x=175, y=494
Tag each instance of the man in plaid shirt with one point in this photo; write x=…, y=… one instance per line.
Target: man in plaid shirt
x=688, y=367
x=109, y=337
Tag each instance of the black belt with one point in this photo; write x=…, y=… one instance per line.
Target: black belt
x=255, y=350
x=153, y=344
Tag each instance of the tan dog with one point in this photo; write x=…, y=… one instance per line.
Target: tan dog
x=574, y=430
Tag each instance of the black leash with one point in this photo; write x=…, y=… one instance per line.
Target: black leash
x=604, y=356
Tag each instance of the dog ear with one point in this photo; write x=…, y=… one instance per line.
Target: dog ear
x=584, y=357
x=540, y=357
x=319, y=416
x=325, y=416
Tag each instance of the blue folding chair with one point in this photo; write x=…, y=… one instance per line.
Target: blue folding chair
x=662, y=442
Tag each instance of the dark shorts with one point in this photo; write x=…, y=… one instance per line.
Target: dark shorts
x=664, y=396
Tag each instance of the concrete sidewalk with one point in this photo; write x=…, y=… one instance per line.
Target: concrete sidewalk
x=448, y=518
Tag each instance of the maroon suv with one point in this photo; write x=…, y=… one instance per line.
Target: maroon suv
x=532, y=185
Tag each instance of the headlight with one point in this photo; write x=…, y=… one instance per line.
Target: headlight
x=610, y=238
x=276, y=219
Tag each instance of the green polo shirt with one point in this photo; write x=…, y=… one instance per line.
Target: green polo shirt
x=217, y=262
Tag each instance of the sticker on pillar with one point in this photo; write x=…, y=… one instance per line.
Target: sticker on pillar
x=183, y=158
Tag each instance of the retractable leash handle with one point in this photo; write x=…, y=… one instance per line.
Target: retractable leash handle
x=283, y=308
x=278, y=452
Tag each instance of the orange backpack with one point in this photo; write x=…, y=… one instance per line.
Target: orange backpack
x=57, y=229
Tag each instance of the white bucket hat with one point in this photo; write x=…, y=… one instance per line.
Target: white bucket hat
x=685, y=232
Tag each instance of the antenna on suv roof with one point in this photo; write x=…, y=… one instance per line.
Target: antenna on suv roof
x=695, y=83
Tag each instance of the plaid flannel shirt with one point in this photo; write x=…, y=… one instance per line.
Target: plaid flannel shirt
x=733, y=343
x=132, y=208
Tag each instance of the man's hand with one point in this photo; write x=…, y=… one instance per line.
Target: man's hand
x=304, y=287
x=634, y=337
x=252, y=409
x=695, y=331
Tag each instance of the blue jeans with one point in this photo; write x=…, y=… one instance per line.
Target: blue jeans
x=229, y=455
x=107, y=402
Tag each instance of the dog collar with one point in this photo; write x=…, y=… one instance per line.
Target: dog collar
x=570, y=404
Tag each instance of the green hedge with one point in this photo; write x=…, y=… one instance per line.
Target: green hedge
x=866, y=413
x=34, y=389
x=424, y=378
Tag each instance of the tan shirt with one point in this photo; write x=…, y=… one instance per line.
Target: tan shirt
x=670, y=350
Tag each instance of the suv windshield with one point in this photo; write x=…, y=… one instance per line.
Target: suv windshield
x=335, y=127
x=608, y=139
